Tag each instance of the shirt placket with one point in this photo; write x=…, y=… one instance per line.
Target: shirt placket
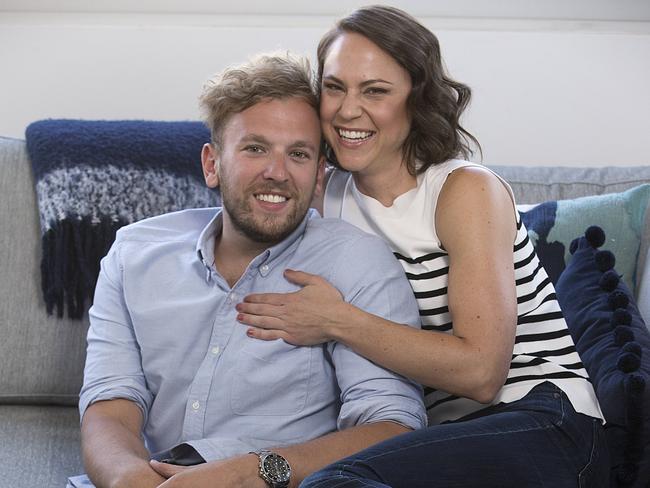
x=205, y=378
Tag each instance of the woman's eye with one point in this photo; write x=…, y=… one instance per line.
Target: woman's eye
x=376, y=91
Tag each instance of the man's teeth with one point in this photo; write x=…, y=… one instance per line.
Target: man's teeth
x=271, y=198
x=354, y=134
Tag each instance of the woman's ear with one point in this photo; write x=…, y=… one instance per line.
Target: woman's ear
x=209, y=163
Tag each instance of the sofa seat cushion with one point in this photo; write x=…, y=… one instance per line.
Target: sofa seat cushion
x=40, y=445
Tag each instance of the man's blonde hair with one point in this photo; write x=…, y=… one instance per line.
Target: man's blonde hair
x=265, y=77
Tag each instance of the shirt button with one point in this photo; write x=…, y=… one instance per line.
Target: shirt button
x=215, y=350
x=229, y=299
x=264, y=268
x=196, y=405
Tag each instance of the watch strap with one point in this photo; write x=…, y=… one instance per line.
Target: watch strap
x=268, y=477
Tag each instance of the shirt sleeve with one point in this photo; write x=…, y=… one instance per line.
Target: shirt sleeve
x=113, y=362
x=370, y=278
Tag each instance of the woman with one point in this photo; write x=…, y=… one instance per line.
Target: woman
x=508, y=399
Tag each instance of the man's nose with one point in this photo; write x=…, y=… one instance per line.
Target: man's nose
x=276, y=168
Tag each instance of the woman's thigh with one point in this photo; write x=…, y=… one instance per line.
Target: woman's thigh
x=538, y=441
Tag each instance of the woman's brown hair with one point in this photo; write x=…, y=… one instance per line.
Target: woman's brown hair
x=436, y=101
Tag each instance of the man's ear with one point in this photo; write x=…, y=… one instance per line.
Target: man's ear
x=320, y=177
x=317, y=197
x=209, y=157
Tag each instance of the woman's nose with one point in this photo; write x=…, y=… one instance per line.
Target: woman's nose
x=350, y=107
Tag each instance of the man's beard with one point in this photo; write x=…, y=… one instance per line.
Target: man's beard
x=267, y=229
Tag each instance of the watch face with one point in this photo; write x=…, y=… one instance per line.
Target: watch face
x=276, y=468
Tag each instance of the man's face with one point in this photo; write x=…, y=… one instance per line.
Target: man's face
x=267, y=168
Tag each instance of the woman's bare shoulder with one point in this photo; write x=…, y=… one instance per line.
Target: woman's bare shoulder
x=473, y=200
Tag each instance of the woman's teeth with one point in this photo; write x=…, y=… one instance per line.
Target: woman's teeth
x=354, y=135
x=271, y=198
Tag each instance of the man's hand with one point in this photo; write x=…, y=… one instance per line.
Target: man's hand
x=143, y=478
x=240, y=471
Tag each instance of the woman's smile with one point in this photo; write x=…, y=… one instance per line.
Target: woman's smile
x=363, y=109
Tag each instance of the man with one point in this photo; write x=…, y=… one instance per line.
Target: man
x=167, y=360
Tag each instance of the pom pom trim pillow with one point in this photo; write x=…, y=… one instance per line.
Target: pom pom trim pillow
x=614, y=345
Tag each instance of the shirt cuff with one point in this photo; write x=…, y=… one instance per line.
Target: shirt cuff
x=217, y=448
x=409, y=413
x=88, y=398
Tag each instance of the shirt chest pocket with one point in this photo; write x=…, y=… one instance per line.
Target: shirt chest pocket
x=271, y=378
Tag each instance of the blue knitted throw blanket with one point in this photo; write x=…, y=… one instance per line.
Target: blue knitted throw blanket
x=92, y=177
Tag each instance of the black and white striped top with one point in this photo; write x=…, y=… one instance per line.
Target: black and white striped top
x=543, y=351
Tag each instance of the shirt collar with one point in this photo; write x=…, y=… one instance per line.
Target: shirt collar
x=264, y=261
x=205, y=243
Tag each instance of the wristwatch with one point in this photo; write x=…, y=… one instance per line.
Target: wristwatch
x=274, y=469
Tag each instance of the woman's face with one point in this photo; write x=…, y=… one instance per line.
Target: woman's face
x=363, y=105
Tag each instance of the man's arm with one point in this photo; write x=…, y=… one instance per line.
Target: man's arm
x=242, y=471
x=318, y=453
x=114, y=394
x=113, y=451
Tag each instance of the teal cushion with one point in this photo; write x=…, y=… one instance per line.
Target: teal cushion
x=553, y=225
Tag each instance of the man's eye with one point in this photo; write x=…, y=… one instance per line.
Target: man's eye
x=254, y=149
x=332, y=87
x=300, y=155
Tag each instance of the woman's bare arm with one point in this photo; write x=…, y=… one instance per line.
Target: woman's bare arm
x=475, y=223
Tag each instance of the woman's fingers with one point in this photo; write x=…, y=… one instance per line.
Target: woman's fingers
x=261, y=321
x=301, y=278
x=268, y=335
x=268, y=298
x=259, y=313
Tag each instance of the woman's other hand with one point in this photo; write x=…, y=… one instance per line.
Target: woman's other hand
x=303, y=318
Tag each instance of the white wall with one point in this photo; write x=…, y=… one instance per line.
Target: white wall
x=556, y=82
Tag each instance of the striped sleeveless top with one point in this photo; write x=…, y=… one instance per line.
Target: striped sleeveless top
x=544, y=349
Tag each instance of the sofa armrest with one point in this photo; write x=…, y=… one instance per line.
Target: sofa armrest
x=42, y=356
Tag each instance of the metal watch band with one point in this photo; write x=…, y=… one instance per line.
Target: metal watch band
x=274, y=469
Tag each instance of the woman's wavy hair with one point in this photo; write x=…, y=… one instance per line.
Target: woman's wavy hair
x=436, y=101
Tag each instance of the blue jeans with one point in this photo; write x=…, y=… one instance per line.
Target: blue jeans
x=538, y=441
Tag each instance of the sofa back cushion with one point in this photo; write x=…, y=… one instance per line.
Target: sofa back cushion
x=538, y=184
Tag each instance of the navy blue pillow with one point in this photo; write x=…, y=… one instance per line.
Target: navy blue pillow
x=614, y=344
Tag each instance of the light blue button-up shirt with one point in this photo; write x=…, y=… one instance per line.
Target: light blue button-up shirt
x=163, y=333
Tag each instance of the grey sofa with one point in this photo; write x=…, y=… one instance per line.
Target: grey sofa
x=41, y=357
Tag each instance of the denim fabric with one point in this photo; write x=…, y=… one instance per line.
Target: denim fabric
x=538, y=441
